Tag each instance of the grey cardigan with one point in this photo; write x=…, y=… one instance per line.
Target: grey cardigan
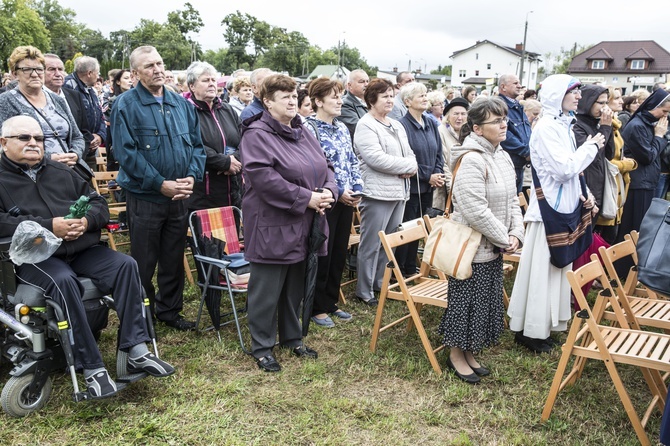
x=11, y=105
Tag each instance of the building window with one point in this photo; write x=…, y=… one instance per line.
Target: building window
x=637, y=64
x=488, y=66
x=461, y=73
x=476, y=72
x=598, y=65
x=476, y=56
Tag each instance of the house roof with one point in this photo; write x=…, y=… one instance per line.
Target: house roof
x=619, y=53
x=475, y=80
x=327, y=71
x=512, y=50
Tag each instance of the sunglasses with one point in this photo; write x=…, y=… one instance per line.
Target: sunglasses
x=27, y=138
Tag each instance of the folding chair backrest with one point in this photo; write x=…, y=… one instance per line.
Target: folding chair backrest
x=523, y=202
x=101, y=181
x=217, y=223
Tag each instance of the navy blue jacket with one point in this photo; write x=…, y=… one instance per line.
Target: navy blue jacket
x=252, y=109
x=644, y=147
x=92, y=109
x=154, y=142
x=518, y=133
x=427, y=147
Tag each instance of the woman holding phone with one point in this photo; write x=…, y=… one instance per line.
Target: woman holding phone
x=333, y=135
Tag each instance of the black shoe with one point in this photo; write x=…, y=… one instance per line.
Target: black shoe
x=101, y=385
x=305, y=352
x=470, y=379
x=150, y=364
x=370, y=302
x=481, y=371
x=552, y=342
x=268, y=364
x=180, y=324
x=532, y=344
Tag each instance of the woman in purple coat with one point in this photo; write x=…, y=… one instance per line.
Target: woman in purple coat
x=288, y=180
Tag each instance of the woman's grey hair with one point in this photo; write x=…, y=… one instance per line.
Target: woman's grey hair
x=480, y=111
x=411, y=90
x=197, y=69
x=436, y=97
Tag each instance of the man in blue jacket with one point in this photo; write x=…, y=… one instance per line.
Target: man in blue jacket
x=518, y=128
x=157, y=143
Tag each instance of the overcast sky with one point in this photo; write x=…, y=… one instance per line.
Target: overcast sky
x=390, y=33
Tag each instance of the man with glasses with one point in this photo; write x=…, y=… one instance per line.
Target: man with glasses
x=518, y=129
x=40, y=190
x=86, y=72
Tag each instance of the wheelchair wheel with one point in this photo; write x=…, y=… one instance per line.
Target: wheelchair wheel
x=15, y=400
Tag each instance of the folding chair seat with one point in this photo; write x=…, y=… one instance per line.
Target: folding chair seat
x=416, y=291
x=219, y=225
x=588, y=339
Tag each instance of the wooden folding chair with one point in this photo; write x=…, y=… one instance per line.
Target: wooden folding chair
x=101, y=184
x=221, y=224
x=588, y=339
x=416, y=291
x=352, y=248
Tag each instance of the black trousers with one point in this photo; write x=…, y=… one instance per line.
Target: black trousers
x=406, y=254
x=637, y=204
x=158, y=236
x=111, y=271
x=275, y=293
x=331, y=266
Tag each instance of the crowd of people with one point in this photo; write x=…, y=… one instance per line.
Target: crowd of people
x=297, y=156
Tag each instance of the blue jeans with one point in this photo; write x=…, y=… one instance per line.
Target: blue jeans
x=662, y=186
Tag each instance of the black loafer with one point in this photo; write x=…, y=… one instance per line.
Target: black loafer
x=268, y=364
x=180, y=324
x=552, y=342
x=305, y=352
x=470, y=379
x=532, y=344
x=370, y=302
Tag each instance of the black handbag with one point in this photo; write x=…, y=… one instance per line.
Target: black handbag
x=568, y=235
x=653, y=247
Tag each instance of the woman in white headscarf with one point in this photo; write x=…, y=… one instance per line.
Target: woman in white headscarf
x=540, y=300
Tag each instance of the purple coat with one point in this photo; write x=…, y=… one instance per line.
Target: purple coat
x=281, y=167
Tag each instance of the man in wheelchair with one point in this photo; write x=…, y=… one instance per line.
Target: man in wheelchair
x=33, y=187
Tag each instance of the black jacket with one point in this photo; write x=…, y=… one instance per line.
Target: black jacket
x=78, y=110
x=352, y=110
x=92, y=109
x=217, y=189
x=54, y=190
x=586, y=126
x=643, y=145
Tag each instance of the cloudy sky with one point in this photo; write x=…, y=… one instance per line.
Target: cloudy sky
x=392, y=33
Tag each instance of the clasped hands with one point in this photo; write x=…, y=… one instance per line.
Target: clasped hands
x=179, y=189
x=70, y=229
x=321, y=200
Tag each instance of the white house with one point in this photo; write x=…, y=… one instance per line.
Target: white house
x=483, y=63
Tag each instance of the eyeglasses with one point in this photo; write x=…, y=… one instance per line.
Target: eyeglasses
x=29, y=70
x=498, y=122
x=576, y=91
x=26, y=137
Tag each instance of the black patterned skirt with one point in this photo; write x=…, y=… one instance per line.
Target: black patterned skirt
x=474, y=318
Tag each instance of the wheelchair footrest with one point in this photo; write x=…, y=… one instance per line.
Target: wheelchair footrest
x=131, y=377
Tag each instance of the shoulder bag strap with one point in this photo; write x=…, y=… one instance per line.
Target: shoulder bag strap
x=447, y=208
x=55, y=132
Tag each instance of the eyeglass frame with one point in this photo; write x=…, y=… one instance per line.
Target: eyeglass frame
x=504, y=120
x=29, y=70
x=26, y=137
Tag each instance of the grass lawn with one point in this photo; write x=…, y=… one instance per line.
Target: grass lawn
x=349, y=395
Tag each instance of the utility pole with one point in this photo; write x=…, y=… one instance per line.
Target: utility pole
x=523, y=50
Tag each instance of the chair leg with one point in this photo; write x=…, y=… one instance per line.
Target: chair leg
x=187, y=271
x=424, y=339
x=380, y=309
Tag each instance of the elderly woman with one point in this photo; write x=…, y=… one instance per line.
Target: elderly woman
x=63, y=140
x=424, y=140
x=387, y=163
x=540, y=300
x=456, y=116
x=219, y=128
x=335, y=141
x=484, y=198
x=436, y=100
x=242, y=94
x=288, y=181
x=532, y=108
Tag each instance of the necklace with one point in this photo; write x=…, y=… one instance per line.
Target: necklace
x=385, y=125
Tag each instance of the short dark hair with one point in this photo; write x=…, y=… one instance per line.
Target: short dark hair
x=375, y=88
x=480, y=111
x=302, y=94
x=275, y=83
x=117, y=77
x=628, y=101
x=529, y=93
x=322, y=87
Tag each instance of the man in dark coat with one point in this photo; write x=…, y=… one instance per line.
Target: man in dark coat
x=518, y=127
x=353, y=105
x=33, y=188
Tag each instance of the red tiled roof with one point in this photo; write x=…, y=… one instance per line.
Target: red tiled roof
x=619, y=53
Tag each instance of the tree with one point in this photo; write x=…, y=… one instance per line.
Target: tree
x=286, y=54
x=20, y=25
x=558, y=63
x=351, y=58
x=63, y=29
x=446, y=70
x=237, y=35
x=94, y=44
x=186, y=21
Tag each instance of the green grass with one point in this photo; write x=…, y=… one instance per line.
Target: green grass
x=348, y=396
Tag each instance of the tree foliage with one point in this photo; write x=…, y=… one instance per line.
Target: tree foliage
x=20, y=25
x=558, y=63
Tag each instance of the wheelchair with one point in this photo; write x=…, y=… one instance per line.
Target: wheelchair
x=35, y=339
